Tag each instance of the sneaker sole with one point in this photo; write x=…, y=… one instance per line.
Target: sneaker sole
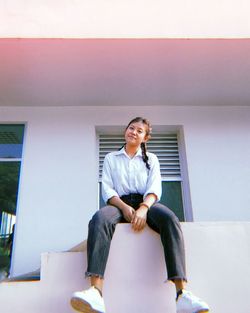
x=82, y=306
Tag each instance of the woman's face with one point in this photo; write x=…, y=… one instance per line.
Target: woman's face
x=136, y=133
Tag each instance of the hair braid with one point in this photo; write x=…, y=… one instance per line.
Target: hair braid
x=144, y=155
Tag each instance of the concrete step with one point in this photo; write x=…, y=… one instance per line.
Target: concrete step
x=218, y=258
x=135, y=264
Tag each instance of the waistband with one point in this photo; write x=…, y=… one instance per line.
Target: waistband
x=132, y=199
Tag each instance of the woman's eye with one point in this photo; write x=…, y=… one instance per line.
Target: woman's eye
x=132, y=128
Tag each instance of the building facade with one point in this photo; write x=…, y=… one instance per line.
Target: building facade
x=66, y=93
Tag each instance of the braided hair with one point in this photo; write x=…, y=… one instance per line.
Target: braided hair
x=143, y=144
x=144, y=155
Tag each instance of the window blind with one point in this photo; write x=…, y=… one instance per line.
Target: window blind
x=165, y=146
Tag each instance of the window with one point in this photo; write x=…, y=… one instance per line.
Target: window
x=11, y=141
x=166, y=146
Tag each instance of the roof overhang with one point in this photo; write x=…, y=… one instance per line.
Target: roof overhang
x=124, y=72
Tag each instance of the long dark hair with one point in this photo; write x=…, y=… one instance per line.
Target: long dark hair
x=148, y=129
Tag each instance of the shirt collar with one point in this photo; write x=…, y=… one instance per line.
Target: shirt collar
x=122, y=151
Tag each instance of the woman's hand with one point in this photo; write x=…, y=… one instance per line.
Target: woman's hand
x=127, y=210
x=139, y=219
x=128, y=213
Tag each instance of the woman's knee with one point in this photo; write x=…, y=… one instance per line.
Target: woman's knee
x=164, y=213
x=104, y=216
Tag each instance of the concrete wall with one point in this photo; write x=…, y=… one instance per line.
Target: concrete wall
x=123, y=19
x=137, y=261
x=58, y=186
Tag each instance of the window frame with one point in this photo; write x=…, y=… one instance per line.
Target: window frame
x=11, y=160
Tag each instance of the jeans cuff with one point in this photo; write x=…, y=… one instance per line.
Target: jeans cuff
x=89, y=274
x=175, y=277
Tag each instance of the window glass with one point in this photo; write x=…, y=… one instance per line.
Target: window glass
x=11, y=139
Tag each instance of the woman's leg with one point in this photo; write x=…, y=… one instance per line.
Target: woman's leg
x=101, y=230
x=164, y=221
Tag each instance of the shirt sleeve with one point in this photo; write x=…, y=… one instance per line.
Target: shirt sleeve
x=154, y=178
x=108, y=190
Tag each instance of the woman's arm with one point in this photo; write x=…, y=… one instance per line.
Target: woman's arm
x=109, y=193
x=140, y=216
x=154, y=178
x=108, y=189
x=149, y=200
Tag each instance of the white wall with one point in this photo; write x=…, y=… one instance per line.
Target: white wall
x=58, y=186
x=223, y=256
x=124, y=19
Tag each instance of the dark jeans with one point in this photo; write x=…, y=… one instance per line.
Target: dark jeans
x=159, y=218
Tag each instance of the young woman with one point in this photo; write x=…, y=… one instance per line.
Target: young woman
x=131, y=187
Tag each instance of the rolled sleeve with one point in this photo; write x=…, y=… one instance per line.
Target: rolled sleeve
x=154, y=178
x=108, y=190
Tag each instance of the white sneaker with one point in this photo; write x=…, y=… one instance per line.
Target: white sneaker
x=188, y=303
x=88, y=301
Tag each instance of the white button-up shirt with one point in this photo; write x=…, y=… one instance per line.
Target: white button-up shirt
x=123, y=175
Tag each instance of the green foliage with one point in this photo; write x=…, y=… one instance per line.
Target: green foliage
x=4, y=251
x=9, y=177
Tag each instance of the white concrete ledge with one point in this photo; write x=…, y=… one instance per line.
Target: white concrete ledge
x=218, y=258
x=136, y=273
x=134, y=278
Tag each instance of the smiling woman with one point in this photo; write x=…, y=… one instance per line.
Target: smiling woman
x=131, y=190
x=11, y=139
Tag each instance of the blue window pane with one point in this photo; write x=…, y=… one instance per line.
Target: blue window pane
x=10, y=151
x=11, y=141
